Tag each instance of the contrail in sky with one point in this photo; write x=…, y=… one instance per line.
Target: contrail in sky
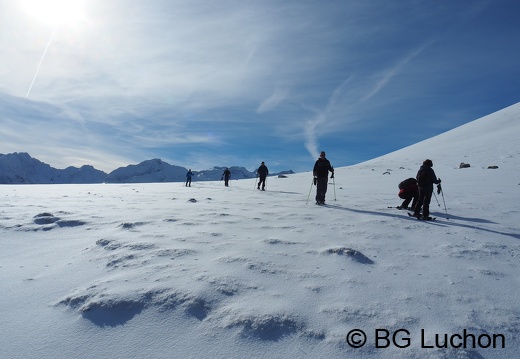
x=41, y=60
x=311, y=137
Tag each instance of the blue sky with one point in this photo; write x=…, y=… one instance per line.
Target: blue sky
x=219, y=83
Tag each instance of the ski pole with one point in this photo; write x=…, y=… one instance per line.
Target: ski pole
x=256, y=179
x=436, y=199
x=334, y=184
x=445, y=209
x=310, y=189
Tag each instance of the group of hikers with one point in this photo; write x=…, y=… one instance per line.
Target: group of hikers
x=418, y=190
x=321, y=170
x=261, y=173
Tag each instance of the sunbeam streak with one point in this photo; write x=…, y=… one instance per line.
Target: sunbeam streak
x=41, y=60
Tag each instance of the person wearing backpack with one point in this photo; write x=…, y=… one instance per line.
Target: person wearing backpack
x=321, y=170
x=408, y=191
x=189, y=174
x=262, y=172
x=226, y=176
x=425, y=179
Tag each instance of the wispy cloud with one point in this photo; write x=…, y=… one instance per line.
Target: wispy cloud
x=390, y=73
x=172, y=78
x=313, y=125
x=274, y=100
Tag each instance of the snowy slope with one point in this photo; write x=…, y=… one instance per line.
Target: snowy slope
x=489, y=141
x=165, y=271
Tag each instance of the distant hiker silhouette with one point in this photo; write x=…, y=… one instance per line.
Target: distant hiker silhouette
x=188, y=178
x=321, y=175
x=262, y=172
x=226, y=176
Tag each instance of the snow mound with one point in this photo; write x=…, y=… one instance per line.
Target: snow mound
x=351, y=253
x=48, y=221
x=270, y=327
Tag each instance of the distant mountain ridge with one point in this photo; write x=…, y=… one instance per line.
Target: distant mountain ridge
x=21, y=168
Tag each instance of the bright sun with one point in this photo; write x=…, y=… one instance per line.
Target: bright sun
x=55, y=12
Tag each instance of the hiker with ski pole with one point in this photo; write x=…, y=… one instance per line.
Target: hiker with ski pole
x=262, y=172
x=425, y=179
x=320, y=172
x=225, y=176
x=189, y=175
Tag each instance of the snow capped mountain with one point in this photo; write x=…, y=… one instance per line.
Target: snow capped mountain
x=21, y=168
x=154, y=170
x=84, y=174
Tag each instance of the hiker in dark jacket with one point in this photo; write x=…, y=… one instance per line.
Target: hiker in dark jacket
x=226, y=175
x=408, y=191
x=262, y=172
x=189, y=174
x=425, y=179
x=321, y=175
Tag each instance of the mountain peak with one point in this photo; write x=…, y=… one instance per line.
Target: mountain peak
x=21, y=168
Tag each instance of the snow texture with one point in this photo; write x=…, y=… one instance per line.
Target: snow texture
x=165, y=271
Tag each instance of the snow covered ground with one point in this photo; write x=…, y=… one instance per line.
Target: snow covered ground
x=166, y=271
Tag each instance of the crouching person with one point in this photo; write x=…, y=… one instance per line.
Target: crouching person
x=408, y=191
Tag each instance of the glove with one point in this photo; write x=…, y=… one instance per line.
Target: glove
x=315, y=180
x=439, y=180
x=332, y=175
x=439, y=189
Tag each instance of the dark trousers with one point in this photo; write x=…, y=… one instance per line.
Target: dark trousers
x=188, y=182
x=321, y=188
x=425, y=196
x=408, y=198
x=262, y=182
x=226, y=181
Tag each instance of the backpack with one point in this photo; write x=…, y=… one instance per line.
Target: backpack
x=422, y=178
x=407, y=182
x=402, y=194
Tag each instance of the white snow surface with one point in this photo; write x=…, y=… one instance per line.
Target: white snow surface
x=168, y=271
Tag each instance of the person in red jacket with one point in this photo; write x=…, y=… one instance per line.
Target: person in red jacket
x=408, y=191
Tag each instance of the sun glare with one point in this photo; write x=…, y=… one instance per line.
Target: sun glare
x=55, y=12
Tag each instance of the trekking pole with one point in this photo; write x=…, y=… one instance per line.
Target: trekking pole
x=334, y=184
x=310, y=189
x=256, y=179
x=445, y=209
x=434, y=195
